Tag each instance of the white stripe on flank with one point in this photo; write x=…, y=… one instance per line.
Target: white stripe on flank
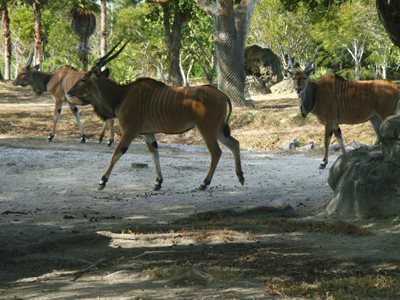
x=154, y=106
x=161, y=111
x=165, y=114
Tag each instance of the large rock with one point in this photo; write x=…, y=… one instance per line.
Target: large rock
x=285, y=86
x=390, y=131
x=366, y=182
x=263, y=64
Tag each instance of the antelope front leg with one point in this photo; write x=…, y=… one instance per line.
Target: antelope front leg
x=75, y=112
x=327, y=141
x=110, y=125
x=56, y=118
x=102, y=132
x=121, y=148
x=152, y=145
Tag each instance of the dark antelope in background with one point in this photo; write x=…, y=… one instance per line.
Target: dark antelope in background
x=58, y=84
x=147, y=106
x=335, y=100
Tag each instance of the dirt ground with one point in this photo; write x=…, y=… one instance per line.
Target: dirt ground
x=61, y=238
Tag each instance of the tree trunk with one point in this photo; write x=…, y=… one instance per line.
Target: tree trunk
x=38, y=32
x=7, y=42
x=103, y=40
x=83, y=51
x=384, y=71
x=173, y=43
x=230, y=30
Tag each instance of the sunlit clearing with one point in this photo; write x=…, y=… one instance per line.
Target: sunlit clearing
x=187, y=238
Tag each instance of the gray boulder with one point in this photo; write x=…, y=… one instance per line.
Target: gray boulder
x=263, y=64
x=366, y=182
x=390, y=131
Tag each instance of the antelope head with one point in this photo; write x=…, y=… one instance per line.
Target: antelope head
x=299, y=78
x=24, y=76
x=84, y=86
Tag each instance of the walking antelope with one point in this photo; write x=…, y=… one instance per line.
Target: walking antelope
x=57, y=84
x=335, y=100
x=146, y=106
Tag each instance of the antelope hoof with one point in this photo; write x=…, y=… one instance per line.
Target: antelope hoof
x=157, y=186
x=110, y=142
x=202, y=187
x=102, y=183
x=241, y=178
x=83, y=139
x=323, y=165
x=50, y=137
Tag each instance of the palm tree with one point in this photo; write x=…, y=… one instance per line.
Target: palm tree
x=37, y=12
x=83, y=24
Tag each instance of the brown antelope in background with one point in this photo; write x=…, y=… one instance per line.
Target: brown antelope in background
x=146, y=106
x=58, y=84
x=335, y=100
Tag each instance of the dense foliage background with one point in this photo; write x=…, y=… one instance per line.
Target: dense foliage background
x=349, y=37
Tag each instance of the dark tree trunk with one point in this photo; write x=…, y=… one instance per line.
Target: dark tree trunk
x=7, y=42
x=230, y=58
x=230, y=30
x=38, y=32
x=83, y=51
x=173, y=38
x=389, y=14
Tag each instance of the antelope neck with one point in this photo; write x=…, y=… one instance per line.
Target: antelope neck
x=39, y=81
x=110, y=96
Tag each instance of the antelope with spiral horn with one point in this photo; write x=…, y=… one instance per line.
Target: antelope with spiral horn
x=146, y=106
x=58, y=83
x=335, y=100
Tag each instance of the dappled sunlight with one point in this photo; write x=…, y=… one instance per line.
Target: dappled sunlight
x=183, y=238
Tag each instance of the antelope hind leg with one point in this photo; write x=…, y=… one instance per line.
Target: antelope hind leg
x=233, y=145
x=215, y=151
x=75, y=113
x=338, y=134
x=56, y=118
x=152, y=145
x=376, y=124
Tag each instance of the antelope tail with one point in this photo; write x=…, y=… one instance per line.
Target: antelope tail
x=226, y=129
